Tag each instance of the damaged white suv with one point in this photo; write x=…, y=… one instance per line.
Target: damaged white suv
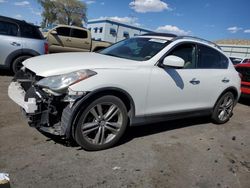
x=93, y=97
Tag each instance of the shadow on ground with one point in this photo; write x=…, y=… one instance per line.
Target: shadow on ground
x=140, y=131
x=245, y=100
x=5, y=72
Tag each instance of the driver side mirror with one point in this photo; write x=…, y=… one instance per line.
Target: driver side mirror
x=173, y=61
x=53, y=32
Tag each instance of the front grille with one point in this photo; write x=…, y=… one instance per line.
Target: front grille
x=245, y=71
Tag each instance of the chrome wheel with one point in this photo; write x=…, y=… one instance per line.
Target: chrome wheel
x=226, y=108
x=102, y=123
x=223, y=109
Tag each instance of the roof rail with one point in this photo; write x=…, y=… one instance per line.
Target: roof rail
x=159, y=34
x=199, y=39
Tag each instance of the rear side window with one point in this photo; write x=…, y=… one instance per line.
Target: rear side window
x=209, y=58
x=77, y=33
x=28, y=31
x=7, y=28
x=63, y=31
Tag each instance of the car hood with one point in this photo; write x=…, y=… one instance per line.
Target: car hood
x=62, y=63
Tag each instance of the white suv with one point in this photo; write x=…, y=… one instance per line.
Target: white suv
x=93, y=97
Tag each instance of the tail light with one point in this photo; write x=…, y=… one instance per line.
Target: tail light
x=46, y=48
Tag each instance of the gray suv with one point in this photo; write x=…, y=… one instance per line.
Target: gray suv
x=19, y=41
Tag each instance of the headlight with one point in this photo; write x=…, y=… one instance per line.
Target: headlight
x=61, y=82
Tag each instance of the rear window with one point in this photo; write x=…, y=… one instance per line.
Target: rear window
x=28, y=31
x=246, y=61
x=245, y=71
x=7, y=28
x=77, y=33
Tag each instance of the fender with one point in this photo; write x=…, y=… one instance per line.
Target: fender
x=234, y=91
x=17, y=53
x=70, y=116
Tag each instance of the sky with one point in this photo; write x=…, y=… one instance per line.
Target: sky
x=209, y=19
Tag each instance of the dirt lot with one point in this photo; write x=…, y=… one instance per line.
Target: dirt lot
x=185, y=153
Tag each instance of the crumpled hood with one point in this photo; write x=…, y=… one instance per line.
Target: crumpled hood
x=62, y=63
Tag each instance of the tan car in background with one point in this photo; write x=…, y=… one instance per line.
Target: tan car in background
x=65, y=38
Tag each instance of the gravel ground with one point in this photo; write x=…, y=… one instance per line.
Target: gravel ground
x=184, y=153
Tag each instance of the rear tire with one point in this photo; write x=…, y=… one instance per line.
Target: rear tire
x=17, y=63
x=102, y=123
x=224, y=108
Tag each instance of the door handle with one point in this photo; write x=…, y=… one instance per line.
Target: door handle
x=225, y=80
x=15, y=44
x=68, y=40
x=194, y=81
x=86, y=43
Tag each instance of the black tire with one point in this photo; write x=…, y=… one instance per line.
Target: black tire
x=223, y=109
x=17, y=63
x=101, y=124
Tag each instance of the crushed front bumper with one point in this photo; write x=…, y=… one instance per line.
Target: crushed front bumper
x=17, y=94
x=44, y=112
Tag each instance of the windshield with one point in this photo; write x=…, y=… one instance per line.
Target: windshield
x=139, y=49
x=49, y=28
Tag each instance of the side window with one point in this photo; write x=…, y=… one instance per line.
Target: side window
x=63, y=31
x=8, y=29
x=32, y=32
x=77, y=33
x=187, y=52
x=209, y=58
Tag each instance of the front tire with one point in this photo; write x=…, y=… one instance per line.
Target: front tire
x=17, y=63
x=102, y=123
x=224, y=108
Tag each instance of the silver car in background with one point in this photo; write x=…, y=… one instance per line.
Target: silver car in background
x=19, y=41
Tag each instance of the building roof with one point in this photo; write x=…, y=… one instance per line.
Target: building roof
x=233, y=42
x=107, y=20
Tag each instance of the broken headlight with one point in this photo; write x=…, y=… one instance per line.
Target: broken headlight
x=62, y=82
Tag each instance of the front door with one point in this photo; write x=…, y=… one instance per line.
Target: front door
x=177, y=90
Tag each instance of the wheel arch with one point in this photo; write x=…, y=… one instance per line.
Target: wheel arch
x=229, y=89
x=21, y=52
x=80, y=105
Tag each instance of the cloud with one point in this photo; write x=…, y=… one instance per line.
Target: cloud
x=34, y=12
x=234, y=29
x=21, y=3
x=90, y=2
x=18, y=16
x=126, y=20
x=143, y=6
x=172, y=29
x=102, y=3
x=3, y=1
x=247, y=31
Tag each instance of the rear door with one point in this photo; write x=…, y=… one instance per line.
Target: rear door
x=9, y=40
x=80, y=40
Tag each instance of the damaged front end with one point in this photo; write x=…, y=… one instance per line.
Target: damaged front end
x=46, y=109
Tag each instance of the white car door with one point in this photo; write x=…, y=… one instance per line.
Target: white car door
x=174, y=90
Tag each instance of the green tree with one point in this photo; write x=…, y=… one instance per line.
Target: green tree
x=69, y=12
